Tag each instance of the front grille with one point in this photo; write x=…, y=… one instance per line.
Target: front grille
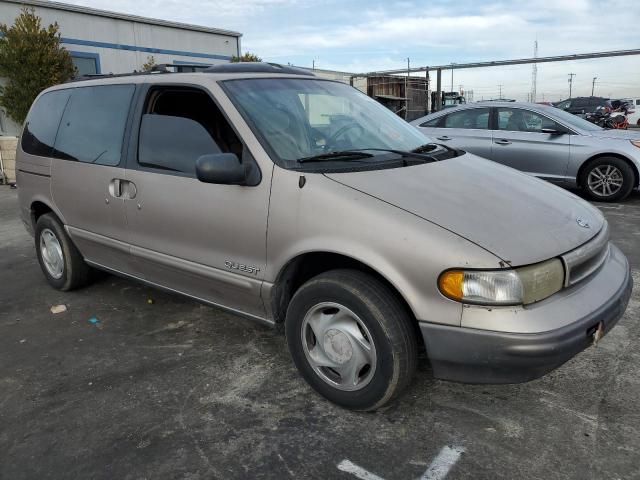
x=586, y=259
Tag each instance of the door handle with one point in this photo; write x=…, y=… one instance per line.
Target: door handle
x=502, y=142
x=115, y=188
x=120, y=188
x=444, y=138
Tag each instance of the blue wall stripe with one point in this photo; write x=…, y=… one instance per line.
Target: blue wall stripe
x=119, y=46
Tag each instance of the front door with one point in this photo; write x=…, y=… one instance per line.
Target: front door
x=518, y=142
x=202, y=239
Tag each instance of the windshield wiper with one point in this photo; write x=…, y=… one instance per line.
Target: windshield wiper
x=346, y=154
x=402, y=153
x=429, y=147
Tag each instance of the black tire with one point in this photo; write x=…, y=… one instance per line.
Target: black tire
x=75, y=272
x=383, y=315
x=628, y=179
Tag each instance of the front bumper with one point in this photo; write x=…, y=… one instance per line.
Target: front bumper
x=473, y=355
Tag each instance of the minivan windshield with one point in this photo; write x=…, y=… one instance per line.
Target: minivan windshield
x=297, y=119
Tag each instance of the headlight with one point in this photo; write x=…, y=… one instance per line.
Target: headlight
x=503, y=287
x=635, y=143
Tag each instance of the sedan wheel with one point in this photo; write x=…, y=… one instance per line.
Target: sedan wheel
x=605, y=180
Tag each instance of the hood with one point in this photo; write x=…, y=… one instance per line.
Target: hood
x=516, y=217
x=619, y=134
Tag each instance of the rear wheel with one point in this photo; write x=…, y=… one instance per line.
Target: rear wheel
x=60, y=260
x=608, y=179
x=351, y=339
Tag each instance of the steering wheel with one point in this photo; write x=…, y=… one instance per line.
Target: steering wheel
x=333, y=139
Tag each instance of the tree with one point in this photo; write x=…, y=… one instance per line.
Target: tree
x=246, y=57
x=31, y=59
x=149, y=65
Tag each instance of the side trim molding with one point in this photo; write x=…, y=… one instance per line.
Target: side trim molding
x=172, y=290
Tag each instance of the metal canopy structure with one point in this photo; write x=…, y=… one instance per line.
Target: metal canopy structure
x=494, y=63
x=502, y=63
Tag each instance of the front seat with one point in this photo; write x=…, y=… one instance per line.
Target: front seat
x=516, y=122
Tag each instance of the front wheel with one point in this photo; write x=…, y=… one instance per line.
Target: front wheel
x=608, y=179
x=352, y=339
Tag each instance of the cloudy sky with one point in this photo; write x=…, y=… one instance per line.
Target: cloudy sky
x=366, y=35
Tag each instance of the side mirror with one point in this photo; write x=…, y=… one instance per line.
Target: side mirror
x=223, y=168
x=552, y=131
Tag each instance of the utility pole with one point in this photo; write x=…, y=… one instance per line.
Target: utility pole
x=571, y=75
x=534, y=73
x=451, y=80
x=406, y=91
x=593, y=85
x=500, y=87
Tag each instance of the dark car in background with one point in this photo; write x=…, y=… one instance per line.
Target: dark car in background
x=583, y=105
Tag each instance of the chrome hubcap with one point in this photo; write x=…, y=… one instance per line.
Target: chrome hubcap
x=338, y=346
x=51, y=253
x=605, y=180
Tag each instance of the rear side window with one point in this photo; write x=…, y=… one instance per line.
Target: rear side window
x=40, y=128
x=473, y=118
x=92, y=127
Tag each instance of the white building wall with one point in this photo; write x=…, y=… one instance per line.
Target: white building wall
x=123, y=44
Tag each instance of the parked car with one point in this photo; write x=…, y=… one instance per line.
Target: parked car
x=290, y=199
x=545, y=142
x=584, y=105
x=633, y=111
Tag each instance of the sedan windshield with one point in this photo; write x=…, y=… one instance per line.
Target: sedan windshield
x=307, y=118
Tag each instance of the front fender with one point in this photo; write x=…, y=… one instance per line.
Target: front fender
x=325, y=216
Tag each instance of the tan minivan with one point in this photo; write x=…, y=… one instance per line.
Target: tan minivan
x=283, y=197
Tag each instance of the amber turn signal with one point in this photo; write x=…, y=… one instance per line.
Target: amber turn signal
x=451, y=283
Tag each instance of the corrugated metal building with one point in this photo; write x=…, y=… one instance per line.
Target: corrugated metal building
x=109, y=42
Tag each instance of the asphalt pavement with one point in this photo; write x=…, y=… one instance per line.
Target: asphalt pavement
x=118, y=387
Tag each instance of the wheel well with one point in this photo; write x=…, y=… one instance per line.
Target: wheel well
x=307, y=266
x=37, y=210
x=582, y=168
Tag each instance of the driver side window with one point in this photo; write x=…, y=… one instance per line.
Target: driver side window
x=178, y=126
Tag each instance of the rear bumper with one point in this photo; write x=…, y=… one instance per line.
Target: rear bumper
x=480, y=356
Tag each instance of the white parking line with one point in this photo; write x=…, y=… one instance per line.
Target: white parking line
x=353, y=469
x=438, y=469
x=441, y=465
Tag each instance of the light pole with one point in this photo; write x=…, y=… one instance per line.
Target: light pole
x=500, y=87
x=571, y=75
x=593, y=85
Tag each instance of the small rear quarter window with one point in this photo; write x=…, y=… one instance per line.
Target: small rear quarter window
x=42, y=123
x=431, y=123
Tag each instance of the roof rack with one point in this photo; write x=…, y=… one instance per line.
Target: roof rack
x=257, y=67
x=239, y=67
